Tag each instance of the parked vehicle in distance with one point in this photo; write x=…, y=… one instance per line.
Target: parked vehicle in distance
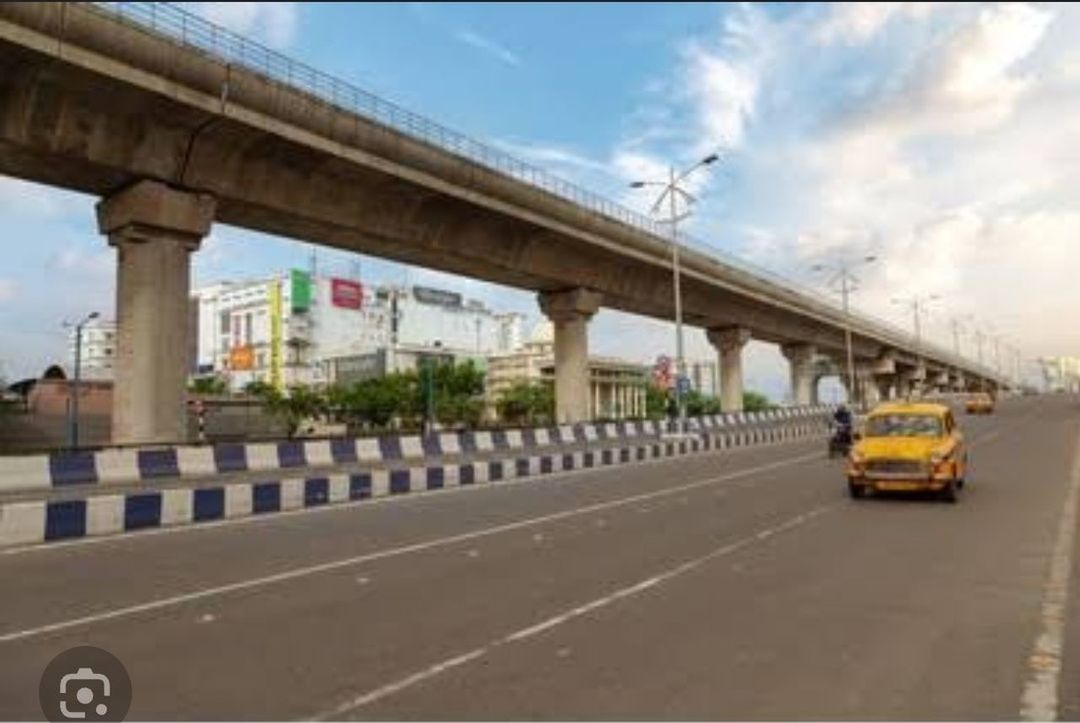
x=909, y=447
x=979, y=403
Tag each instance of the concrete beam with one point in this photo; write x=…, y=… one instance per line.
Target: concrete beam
x=570, y=312
x=154, y=229
x=92, y=104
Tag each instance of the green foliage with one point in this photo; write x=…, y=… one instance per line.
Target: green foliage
x=528, y=404
x=401, y=397
x=698, y=404
x=755, y=402
x=657, y=402
x=212, y=385
x=261, y=390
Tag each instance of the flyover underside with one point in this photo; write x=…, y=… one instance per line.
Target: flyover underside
x=110, y=105
x=83, y=131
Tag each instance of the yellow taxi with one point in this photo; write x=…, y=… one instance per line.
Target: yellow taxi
x=908, y=447
x=979, y=403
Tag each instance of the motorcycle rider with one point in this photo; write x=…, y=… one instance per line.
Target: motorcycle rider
x=843, y=421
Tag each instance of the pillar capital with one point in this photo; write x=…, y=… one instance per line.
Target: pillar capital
x=728, y=338
x=151, y=210
x=569, y=305
x=885, y=363
x=798, y=353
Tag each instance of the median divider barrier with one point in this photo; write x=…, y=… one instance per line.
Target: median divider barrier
x=301, y=474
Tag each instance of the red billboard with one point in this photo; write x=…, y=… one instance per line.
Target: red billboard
x=346, y=294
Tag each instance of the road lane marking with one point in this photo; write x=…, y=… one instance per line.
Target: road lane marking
x=418, y=677
x=309, y=570
x=584, y=474
x=1039, y=699
x=389, y=689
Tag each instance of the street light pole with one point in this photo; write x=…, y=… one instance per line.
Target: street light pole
x=916, y=303
x=848, y=283
x=680, y=362
x=671, y=190
x=956, y=336
x=73, y=405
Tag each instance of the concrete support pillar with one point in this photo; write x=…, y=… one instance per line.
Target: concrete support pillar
x=569, y=312
x=871, y=393
x=801, y=359
x=884, y=384
x=154, y=229
x=729, y=343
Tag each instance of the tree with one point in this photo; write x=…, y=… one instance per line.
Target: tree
x=755, y=402
x=657, y=401
x=698, y=404
x=527, y=403
x=211, y=385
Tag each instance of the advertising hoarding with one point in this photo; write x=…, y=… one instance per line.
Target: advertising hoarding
x=346, y=294
x=426, y=295
x=275, y=336
x=300, y=290
x=241, y=358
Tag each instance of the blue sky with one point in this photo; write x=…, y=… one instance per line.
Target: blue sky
x=939, y=137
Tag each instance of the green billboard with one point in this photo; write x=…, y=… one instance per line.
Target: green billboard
x=300, y=290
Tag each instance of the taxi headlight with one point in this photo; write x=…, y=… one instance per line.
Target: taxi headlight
x=938, y=458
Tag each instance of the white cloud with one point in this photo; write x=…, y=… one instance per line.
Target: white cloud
x=725, y=91
x=856, y=23
x=42, y=202
x=273, y=23
x=79, y=261
x=976, y=63
x=8, y=290
x=487, y=45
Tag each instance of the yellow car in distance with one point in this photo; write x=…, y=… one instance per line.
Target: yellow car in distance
x=908, y=447
x=979, y=403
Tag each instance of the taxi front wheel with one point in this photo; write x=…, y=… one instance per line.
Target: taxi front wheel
x=855, y=491
x=948, y=492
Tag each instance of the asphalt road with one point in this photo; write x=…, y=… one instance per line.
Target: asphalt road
x=740, y=585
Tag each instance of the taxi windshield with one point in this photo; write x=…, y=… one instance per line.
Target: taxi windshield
x=903, y=425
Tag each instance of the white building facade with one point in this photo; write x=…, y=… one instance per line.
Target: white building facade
x=295, y=328
x=98, y=351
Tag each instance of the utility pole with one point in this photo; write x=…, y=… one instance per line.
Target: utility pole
x=73, y=404
x=848, y=283
x=671, y=190
x=916, y=303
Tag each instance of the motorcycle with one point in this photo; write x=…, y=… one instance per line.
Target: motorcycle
x=840, y=440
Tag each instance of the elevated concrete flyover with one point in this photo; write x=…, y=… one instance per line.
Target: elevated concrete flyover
x=173, y=120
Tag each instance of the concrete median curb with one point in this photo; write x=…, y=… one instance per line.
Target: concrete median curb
x=102, y=513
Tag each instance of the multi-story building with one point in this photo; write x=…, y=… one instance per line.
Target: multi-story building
x=296, y=328
x=1060, y=373
x=616, y=386
x=98, y=350
x=704, y=377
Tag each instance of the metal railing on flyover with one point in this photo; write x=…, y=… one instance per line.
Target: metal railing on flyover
x=198, y=33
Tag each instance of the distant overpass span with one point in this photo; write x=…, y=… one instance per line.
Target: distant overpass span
x=177, y=123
